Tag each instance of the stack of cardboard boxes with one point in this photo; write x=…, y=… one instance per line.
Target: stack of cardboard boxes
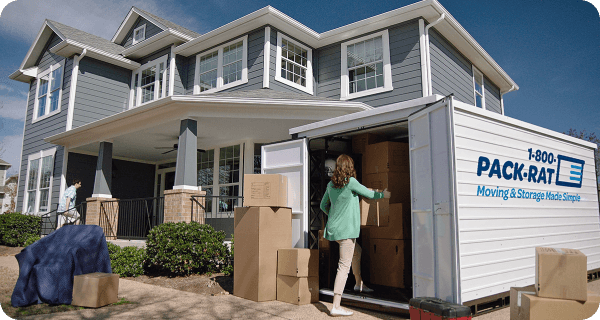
x=387, y=240
x=560, y=290
x=298, y=276
x=262, y=227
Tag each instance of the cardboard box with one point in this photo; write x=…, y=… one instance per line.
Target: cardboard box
x=397, y=183
x=265, y=190
x=374, y=212
x=399, y=226
x=95, y=290
x=387, y=267
x=561, y=273
x=298, y=262
x=525, y=305
x=386, y=156
x=259, y=232
x=296, y=290
x=360, y=141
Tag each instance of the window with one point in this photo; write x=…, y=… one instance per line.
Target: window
x=219, y=173
x=366, y=67
x=478, y=89
x=148, y=82
x=139, y=34
x=48, y=92
x=40, y=167
x=294, y=64
x=222, y=68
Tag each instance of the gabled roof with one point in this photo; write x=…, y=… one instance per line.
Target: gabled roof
x=4, y=163
x=85, y=38
x=166, y=25
x=430, y=10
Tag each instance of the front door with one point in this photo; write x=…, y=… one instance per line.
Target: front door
x=165, y=180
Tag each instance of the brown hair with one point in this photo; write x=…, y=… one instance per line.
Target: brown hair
x=76, y=181
x=344, y=170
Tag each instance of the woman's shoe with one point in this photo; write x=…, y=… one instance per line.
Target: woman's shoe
x=340, y=312
x=362, y=288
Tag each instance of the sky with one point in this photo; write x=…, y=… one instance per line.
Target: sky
x=551, y=49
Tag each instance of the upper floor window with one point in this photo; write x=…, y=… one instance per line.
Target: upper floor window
x=478, y=88
x=366, y=67
x=222, y=68
x=139, y=34
x=294, y=64
x=48, y=92
x=148, y=82
x=40, y=167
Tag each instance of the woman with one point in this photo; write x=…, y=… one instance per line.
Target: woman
x=340, y=202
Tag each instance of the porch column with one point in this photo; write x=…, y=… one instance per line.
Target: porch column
x=103, y=181
x=186, y=170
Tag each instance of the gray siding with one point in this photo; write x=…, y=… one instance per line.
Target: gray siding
x=279, y=86
x=451, y=72
x=255, y=63
x=157, y=54
x=492, y=96
x=405, y=58
x=151, y=30
x=102, y=90
x=180, y=79
x=33, y=140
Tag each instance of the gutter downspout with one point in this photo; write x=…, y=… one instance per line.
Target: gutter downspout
x=428, y=53
x=70, y=111
x=502, y=98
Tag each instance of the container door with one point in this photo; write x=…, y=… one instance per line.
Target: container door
x=432, y=207
x=290, y=158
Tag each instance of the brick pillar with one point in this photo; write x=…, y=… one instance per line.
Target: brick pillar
x=179, y=205
x=108, y=220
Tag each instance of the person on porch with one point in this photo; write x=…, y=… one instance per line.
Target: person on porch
x=66, y=206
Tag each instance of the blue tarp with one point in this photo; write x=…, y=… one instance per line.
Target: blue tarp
x=47, y=267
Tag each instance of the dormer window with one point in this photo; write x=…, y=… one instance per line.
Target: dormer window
x=48, y=92
x=139, y=34
x=294, y=64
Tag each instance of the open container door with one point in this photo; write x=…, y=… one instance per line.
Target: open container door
x=290, y=158
x=434, y=253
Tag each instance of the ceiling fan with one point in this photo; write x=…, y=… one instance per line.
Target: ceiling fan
x=174, y=148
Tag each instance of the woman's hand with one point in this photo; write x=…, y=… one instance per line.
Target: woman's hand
x=386, y=193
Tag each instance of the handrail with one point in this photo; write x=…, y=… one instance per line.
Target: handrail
x=47, y=218
x=225, y=206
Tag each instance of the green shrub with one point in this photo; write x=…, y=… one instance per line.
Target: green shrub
x=15, y=228
x=228, y=267
x=126, y=261
x=31, y=239
x=182, y=248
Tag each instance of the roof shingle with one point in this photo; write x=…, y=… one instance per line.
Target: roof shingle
x=87, y=38
x=170, y=24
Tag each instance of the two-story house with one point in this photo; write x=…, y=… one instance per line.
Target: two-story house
x=161, y=107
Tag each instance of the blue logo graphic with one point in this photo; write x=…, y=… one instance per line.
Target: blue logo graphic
x=569, y=172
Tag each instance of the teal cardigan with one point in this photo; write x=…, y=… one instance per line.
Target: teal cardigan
x=343, y=210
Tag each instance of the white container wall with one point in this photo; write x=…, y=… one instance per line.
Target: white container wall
x=518, y=187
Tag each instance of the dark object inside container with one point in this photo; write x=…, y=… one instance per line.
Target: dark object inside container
x=437, y=309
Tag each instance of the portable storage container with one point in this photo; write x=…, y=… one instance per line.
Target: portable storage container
x=485, y=189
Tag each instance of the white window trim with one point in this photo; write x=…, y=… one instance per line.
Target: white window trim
x=134, y=31
x=477, y=73
x=46, y=72
x=138, y=90
x=220, y=85
x=387, y=68
x=34, y=156
x=309, y=76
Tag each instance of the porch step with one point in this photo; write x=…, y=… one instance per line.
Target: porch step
x=129, y=243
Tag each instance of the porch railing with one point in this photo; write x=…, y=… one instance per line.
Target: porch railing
x=131, y=218
x=50, y=220
x=221, y=218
